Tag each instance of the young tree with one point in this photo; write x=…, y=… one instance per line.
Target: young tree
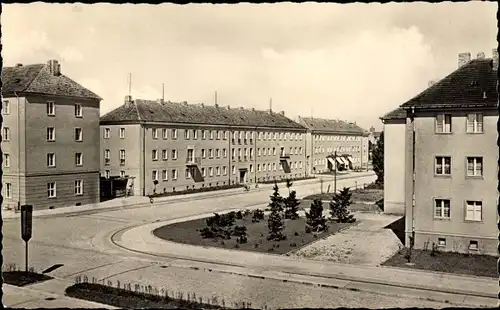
x=275, y=222
x=378, y=159
x=315, y=220
x=339, y=206
x=292, y=206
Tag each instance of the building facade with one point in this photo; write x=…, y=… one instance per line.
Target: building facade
x=394, y=161
x=50, y=128
x=159, y=147
x=451, y=160
x=325, y=137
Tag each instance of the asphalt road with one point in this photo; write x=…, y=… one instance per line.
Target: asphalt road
x=81, y=243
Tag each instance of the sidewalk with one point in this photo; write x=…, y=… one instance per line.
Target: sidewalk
x=29, y=297
x=140, y=239
x=140, y=201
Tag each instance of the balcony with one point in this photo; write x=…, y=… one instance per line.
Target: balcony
x=193, y=161
x=284, y=156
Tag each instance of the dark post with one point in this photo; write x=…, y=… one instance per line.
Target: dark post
x=335, y=174
x=26, y=225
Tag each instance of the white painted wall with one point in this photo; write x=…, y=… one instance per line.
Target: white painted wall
x=394, y=166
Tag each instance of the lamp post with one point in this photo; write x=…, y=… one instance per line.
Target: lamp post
x=335, y=174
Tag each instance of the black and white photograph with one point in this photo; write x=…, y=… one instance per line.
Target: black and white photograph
x=250, y=156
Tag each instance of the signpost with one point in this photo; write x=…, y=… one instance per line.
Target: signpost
x=26, y=227
x=335, y=174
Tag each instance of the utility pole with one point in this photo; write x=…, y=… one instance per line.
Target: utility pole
x=129, y=83
x=335, y=174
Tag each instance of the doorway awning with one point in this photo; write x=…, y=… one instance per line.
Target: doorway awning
x=339, y=160
x=331, y=161
x=344, y=160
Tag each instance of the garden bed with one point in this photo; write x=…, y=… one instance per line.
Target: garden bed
x=355, y=207
x=188, y=232
x=197, y=190
x=284, y=180
x=358, y=195
x=128, y=299
x=22, y=278
x=464, y=264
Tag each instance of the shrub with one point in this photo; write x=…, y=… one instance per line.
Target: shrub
x=291, y=206
x=339, y=206
x=241, y=233
x=315, y=220
x=258, y=215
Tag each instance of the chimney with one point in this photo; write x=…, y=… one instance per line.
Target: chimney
x=253, y=109
x=229, y=107
x=282, y=113
x=481, y=55
x=463, y=59
x=160, y=101
x=270, y=111
x=54, y=67
x=128, y=100
x=495, y=59
x=431, y=82
x=18, y=65
x=184, y=103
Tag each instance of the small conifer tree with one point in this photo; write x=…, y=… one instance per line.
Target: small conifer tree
x=275, y=222
x=292, y=206
x=339, y=206
x=315, y=220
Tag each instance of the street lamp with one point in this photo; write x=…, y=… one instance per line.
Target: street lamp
x=335, y=174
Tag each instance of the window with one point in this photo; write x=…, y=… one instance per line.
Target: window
x=203, y=172
x=211, y=171
x=174, y=174
x=51, y=134
x=6, y=107
x=224, y=170
x=51, y=160
x=474, y=211
x=186, y=134
x=106, y=133
x=224, y=153
x=154, y=175
x=251, y=153
x=233, y=151
x=174, y=133
x=217, y=171
x=122, y=157
x=6, y=134
x=203, y=153
x=188, y=173
x=233, y=169
x=259, y=152
x=195, y=134
x=217, y=153
x=211, y=134
x=122, y=174
x=78, y=134
x=203, y=134
x=155, y=154
x=475, y=123
x=51, y=189
x=78, y=187
x=164, y=133
x=474, y=166
x=225, y=135
x=190, y=155
x=274, y=166
x=218, y=134
x=122, y=133
x=51, y=108
x=258, y=167
x=473, y=245
x=174, y=154
x=79, y=159
x=164, y=175
x=107, y=174
x=210, y=153
x=443, y=165
x=107, y=157
x=154, y=132
x=78, y=110
x=251, y=168
x=441, y=242
x=164, y=154
x=8, y=190
x=442, y=208
x=274, y=151
x=443, y=123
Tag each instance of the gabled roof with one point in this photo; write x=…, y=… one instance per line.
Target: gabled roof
x=37, y=79
x=398, y=113
x=332, y=126
x=172, y=112
x=472, y=85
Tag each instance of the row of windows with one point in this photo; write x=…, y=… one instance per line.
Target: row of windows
x=474, y=209
x=50, y=134
x=443, y=166
x=50, y=108
x=473, y=244
x=51, y=160
x=354, y=148
x=335, y=138
x=474, y=123
x=51, y=189
x=211, y=134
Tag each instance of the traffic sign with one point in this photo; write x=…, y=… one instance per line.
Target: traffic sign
x=26, y=222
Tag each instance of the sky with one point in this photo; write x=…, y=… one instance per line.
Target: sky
x=352, y=62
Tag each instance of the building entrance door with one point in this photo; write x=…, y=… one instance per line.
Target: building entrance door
x=243, y=176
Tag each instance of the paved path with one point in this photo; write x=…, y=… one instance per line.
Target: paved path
x=82, y=243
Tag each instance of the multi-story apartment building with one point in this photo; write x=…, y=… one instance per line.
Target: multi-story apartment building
x=182, y=146
x=451, y=160
x=325, y=137
x=394, y=161
x=50, y=138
